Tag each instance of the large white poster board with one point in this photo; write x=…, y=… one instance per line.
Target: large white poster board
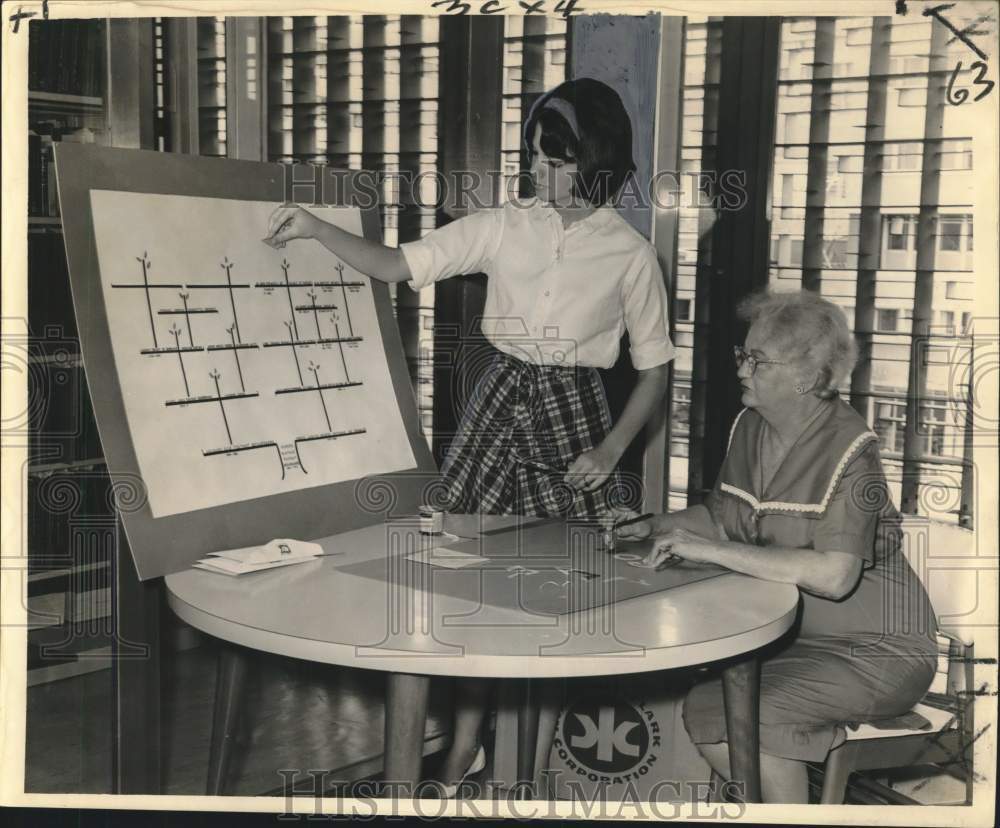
x=245, y=371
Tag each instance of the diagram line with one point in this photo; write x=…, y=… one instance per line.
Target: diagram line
x=149, y=304
x=176, y=332
x=292, y=337
x=291, y=304
x=208, y=398
x=236, y=354
x=326, y=414
x=347, y=307
x=227, y=266
x=312, y=297
x=301, y=343
x=340, y=345
x=302, y=389
x=299, y=457
x=215, y=376
x=187, y=317
x=166, y=286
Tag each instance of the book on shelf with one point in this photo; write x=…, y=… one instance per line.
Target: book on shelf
x=66, y=57
x=51, y=321
x=35, y=200
x=43, y=194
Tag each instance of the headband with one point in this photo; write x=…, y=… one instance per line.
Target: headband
x=560, y=105
x=568, y=112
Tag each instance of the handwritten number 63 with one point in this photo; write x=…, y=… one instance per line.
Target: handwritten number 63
x=957, y=97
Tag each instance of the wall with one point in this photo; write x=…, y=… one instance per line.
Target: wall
x=623, y=52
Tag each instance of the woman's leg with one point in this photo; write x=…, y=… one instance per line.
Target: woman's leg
x=782, y=781
x=471, y=697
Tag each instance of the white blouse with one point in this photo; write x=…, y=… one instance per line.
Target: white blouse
x=555, y=295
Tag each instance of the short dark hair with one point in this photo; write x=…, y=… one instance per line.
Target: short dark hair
x=603, y=151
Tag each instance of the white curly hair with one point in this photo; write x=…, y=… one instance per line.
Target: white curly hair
x=811, y=330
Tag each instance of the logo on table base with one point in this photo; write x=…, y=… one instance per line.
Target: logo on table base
x=608, y=739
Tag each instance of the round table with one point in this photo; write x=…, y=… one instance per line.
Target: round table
x=323, y=611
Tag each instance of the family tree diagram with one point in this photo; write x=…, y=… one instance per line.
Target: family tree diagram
x=246, y=371
x=182, y=340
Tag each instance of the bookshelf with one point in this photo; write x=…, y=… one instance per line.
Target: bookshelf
x=70, y=510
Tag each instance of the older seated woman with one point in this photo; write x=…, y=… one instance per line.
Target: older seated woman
x=801, y=498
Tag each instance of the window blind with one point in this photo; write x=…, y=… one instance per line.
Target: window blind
x=872, y=208
x=362, y=93
x=703, y=45
x=534, y=61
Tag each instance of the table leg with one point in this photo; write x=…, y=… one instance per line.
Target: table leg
x=405, y=721
x=527, y=738
x=229, y=686
x=741, y=695
x=550, y=703
x=504, y=771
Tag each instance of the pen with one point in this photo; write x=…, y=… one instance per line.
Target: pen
x=630, y=521
x=611, y=533
x=537, y=464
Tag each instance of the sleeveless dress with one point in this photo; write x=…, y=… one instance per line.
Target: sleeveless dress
x=867, y=656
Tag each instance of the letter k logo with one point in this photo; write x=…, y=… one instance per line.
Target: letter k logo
x=605, y=735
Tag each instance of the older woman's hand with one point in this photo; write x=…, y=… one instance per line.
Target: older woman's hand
x=634, y=531
x=680, y=543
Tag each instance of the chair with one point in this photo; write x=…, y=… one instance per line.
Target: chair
x=947, y=705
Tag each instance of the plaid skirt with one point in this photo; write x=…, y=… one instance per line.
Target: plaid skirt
x=521, y=429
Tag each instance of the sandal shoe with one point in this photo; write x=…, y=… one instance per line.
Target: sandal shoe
x=478, y=763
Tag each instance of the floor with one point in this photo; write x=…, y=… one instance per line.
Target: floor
x=306, y=716
x=300, y=716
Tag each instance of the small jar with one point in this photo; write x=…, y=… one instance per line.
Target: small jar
x=431, y=521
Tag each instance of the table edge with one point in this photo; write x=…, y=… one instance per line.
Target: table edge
x=543, y=665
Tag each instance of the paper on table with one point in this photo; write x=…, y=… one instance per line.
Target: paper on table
x=228, y=567
x=281, y=550
x=448, y=558
x=438, y=541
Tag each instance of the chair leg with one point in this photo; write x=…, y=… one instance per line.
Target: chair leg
x=715, y=788
x=228, y=699
x=839, y=766
x=967, y=719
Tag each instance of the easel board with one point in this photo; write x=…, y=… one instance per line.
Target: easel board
x=247, y=483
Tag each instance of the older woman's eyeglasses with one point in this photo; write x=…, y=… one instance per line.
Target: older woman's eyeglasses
x=743, y=356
